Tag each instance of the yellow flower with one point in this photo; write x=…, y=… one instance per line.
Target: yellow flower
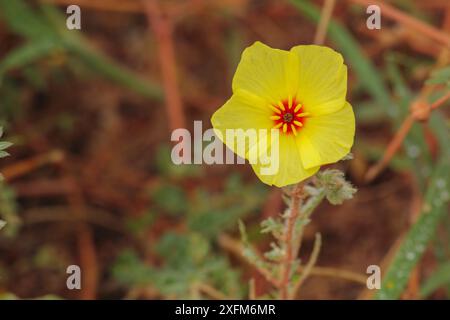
x=302, y=93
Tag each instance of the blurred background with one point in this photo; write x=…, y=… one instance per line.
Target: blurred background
x=90, y=181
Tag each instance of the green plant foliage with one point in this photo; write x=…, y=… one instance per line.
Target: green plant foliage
x=417, y=152
x=8, y=210
x=211, y=213
x=439, y=278
x=336, y=188
x=10, y=94
x=138, y=225
x=171, y=198
x=189, y=260
x=28, y=53
x=46, y=32
x=329, y=184
x=188, y=264
x=167, y=168
x=9, y=218
x=436, y=200
x=3, y=146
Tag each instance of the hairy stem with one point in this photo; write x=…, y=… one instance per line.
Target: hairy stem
x=291, y=221
x=306, y=210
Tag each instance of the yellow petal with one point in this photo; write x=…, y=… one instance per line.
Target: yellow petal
x=275, y=109
x=278, y=125
x=268, y=73
x=322, y=82
x=290, y=168
x=327, y=138
x=281, y=106
x=293, y=129
x=243, y=111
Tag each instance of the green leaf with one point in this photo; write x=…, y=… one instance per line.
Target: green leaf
x=101, y=64
x=22, y=19
x=4, y=145
x=170, y=198
x=26, y=54
x=336, y=188
x=439, y=278
x=210, y=214
x=4, y=154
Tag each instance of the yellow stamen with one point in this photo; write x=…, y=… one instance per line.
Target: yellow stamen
x=303, y=114
x=290, y=102
x=275, y=109
x=275, y=118
x=280, y=104
x=278, y=125
x=284, y=128
x=298, y=123
x=297, y=108
x=294, y=130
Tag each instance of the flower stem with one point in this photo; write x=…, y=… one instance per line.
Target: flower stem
x=306, y=210
x=289, y=238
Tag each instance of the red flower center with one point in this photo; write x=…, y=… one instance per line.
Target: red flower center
x=289, y=116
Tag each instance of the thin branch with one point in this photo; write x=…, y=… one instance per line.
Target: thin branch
x=236, y=247
x=309, y=266
x=391, y=149
x=252, y=289
x=325, y=17
x=440, y=102
x=288, y=261
x=307, y=209
x=337, y=273
x=409, y=21
x=211, y=291
x=162, y=29
x=420, y=111
x=111, y=5
x=23, y=167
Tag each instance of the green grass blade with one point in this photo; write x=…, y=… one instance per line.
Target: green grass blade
x=22, y=19
x=106, y=67
x=439, y=278
x=26, y=54
x=48, y=27
x=96, y=61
